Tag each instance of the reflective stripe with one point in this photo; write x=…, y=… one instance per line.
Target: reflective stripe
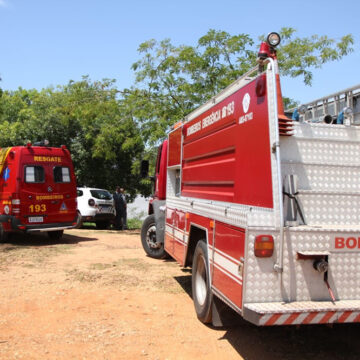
x=299, y=318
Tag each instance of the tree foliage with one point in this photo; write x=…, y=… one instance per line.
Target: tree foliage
x=174, y=80
x=108, y=131
x=299, y=56
x=87, y=117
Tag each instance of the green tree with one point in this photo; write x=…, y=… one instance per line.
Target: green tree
x=174, y=80
x=90, y=119
x=106, y=129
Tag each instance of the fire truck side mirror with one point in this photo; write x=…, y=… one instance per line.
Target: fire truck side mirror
x=144, y=169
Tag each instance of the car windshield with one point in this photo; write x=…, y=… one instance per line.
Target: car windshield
x=101, y=194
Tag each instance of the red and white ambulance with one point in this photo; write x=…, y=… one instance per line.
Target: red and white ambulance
x=37, y=190
x=264, y=208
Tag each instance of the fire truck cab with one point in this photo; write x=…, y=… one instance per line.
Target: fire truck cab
x=264, y=207
x=37, y=190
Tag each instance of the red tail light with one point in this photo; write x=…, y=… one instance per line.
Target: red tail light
x=264, y=246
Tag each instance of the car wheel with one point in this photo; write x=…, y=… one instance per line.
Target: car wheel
x=55, y=235
x=152, y=247
x=78, y=220
x=102, y=225
x=200, y=281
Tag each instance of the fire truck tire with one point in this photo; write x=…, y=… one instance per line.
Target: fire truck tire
x=55, y=235
x=202, y=295
x=148, y=239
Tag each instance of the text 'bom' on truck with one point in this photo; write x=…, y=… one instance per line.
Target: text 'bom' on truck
x=37, y=190
x=264, y=206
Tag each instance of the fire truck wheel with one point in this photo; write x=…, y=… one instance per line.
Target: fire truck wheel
x=148, y=239
x=202, y=295
x=55, y=235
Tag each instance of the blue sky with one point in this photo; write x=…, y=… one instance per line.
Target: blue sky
x=49, y=42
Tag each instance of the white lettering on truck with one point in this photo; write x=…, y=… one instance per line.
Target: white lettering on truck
x=243, y=119
x=194, y=128
x=246, y=103
x=211, y=119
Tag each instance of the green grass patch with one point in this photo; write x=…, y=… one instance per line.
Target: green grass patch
x=134, y=224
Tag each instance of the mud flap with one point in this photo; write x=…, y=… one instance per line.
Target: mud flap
x=159, y=212
x=223, y=315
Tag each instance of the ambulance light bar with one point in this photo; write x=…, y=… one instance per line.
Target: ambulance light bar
x=42, y=143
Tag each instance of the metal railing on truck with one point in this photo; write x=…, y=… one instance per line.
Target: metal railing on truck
x=328, y=109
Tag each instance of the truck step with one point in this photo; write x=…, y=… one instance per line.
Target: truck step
x=302, y=312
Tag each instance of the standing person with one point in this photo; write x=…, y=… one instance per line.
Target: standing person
x=124, y=209
x=118, y=201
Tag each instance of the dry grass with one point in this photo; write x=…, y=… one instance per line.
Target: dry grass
x=128, y=273
x=29, y=256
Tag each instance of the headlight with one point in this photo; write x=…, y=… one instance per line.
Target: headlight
x=273, y=39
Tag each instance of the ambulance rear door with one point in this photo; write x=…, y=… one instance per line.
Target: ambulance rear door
x=48, y=187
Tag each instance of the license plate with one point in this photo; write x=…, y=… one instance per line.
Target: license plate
x=106, y=210
x=36, y=219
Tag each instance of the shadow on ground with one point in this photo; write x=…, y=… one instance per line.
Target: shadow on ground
x=41, y=239
x=110, y=229
x=320, y=342
x=307, y=342
x=185, y=281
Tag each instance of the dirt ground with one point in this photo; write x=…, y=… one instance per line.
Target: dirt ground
x=95, y=295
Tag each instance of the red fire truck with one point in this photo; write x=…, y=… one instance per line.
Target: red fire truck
x=263, y=207
x=37, y=190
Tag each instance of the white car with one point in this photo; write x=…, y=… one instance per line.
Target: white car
x=95, y=205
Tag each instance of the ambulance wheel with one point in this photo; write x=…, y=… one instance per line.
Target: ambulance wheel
x=3, y=234
x=201, y=292
x=152, y=247
x=55, y=235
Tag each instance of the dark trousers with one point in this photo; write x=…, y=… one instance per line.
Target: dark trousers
x=120, y=220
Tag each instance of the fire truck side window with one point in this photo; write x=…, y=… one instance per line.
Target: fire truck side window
x=157, y=169
x=61, y=174
x=34, y=174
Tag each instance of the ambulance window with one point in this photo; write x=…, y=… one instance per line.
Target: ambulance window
x=34, y=174
x=61, y=174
